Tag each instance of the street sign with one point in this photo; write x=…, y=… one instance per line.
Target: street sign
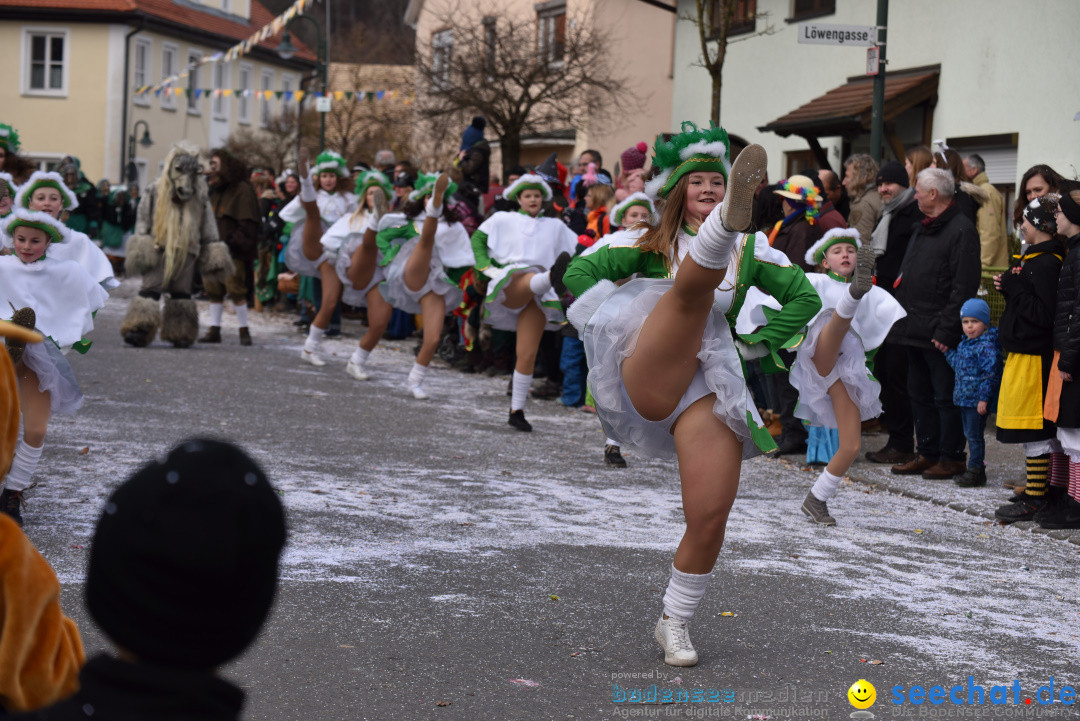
x=873, y=60
x=815, y=34
x=322, y=104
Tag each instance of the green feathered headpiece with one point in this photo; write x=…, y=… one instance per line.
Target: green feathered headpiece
x=373, y=177
x=690, y=151
x=330, y=162
x=425, y=186
x=9, y=138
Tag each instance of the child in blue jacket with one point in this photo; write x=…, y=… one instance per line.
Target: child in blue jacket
x=977, y=363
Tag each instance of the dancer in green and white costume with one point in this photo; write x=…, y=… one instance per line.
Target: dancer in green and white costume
x=524, y=256
x=358, y=263
x=836, y=389
x=312, y=213
x=424, y=265
x=664, y=367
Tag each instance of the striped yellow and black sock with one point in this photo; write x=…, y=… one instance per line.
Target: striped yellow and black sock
x=1038, y=467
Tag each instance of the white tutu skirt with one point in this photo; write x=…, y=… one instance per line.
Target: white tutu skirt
x=815, y=405
x=54, y=375
x=502, y=318
x=349, y=295
x=399, y=296
x=611, y=336
x=295, y=258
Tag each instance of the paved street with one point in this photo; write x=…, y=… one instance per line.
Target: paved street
x=437, y=557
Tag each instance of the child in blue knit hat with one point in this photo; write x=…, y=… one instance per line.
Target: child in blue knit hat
x=977, y=363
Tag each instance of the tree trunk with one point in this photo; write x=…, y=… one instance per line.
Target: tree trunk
x=510, y=144
x=717, y=84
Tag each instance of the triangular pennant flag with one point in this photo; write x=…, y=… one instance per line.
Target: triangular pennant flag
x=299, y=95
x=380, y=94
x=288, y=95
x=278, y=93
x=338, y=94
x=348, y=95
x=187, y=91
x=227, y=92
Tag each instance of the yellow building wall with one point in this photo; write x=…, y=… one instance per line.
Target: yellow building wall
x=55, y=126
x=87, y=120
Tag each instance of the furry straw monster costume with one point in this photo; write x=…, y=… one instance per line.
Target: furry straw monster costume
x=175, y=231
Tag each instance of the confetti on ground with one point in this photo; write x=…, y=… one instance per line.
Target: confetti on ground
x=525, y=682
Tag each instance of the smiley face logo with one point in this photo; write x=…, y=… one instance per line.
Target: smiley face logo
x=862, y=694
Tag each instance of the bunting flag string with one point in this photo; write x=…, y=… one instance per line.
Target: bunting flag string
x=241, y=49
x=283, y=95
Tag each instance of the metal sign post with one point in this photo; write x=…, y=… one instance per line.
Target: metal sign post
x=877, y=114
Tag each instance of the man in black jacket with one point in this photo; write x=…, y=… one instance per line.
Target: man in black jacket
x=939, y=272
x=899, y=219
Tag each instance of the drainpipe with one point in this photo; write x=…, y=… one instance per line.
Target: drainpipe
x=127, y=100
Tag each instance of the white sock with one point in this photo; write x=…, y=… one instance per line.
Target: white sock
x=360, y=356
x=433, y=211
x=314, y=338
x=540, y=283
x=712, y=246
x=307, y=190
x=241, y=314
x=846, y=306
x=216, y=311
x=23, y=466
x=520, y=393
x=684, y=593
x=826, y=485
x=416, y=375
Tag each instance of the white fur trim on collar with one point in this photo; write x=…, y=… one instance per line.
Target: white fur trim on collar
x=829, y=239
x=40, y=176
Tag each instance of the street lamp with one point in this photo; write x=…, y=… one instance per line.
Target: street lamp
x=286, y=50
x=145, y=141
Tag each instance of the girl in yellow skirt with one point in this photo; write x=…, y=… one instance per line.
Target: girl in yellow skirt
x=1027, y=335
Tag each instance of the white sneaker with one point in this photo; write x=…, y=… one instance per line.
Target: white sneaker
x=418, y=393
x=312, y=357
x=357, y=371
x=674, y=637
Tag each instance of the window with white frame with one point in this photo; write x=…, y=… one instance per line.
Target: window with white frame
x=141, y=75
x=243, y=102
x=288, y=83
x=45, y=62
x=266, y=83
x=221, y=81
x=194, y=106
x=551, y=31
x=442, y=47
x=169, y=54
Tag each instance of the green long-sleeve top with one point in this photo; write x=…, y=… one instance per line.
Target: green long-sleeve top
x=758, y=265
x=390, y=240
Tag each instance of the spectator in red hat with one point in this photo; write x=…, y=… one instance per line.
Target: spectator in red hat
x=632, y=176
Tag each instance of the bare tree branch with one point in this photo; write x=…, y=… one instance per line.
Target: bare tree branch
x=519, y=81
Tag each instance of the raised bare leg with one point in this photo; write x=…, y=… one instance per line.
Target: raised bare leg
x=363, y=262
x=36, y=406
x=331, y=295
x=379, y=313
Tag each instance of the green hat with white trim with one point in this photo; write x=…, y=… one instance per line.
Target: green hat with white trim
x=371, y=178
x=425, y=186
x=691, y=151
x=41, y=179
x=21, y=217
x=816, y=252
x=330, y=162
x=630, y=201
x=9, y=138
x=529, y=181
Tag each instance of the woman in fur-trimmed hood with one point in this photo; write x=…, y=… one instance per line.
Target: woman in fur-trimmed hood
x=175, y=235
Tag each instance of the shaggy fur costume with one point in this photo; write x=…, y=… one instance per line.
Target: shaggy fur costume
x=142, y=256
x=175, y=230
x=180, y=322
x=141, y=322
x=216, y=263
